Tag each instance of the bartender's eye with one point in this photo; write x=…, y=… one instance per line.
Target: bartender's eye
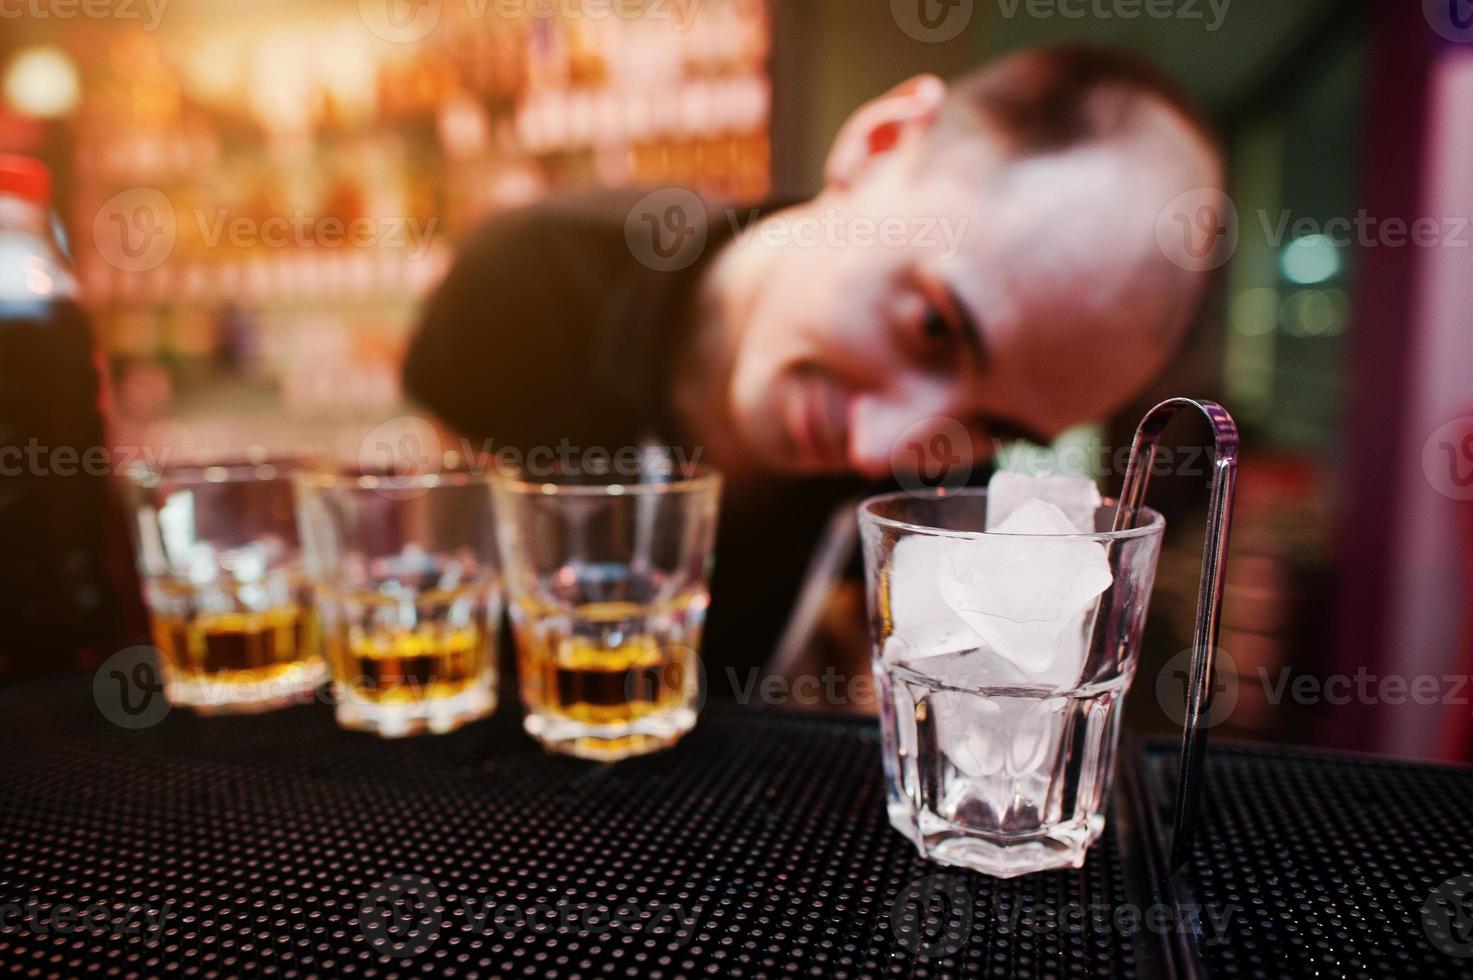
x=935, y=338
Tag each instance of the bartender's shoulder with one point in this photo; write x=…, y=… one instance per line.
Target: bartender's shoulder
x=591, y=210
x=606, y=207
x=587, y=227
x=556, y=221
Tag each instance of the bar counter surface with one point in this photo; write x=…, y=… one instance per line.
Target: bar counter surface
x=143, y=841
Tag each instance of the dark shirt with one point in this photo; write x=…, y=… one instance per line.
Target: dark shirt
x=548, y=328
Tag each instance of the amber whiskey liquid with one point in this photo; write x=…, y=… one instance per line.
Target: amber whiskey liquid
x=404, y=666
x=238, y=661
x=609, y=680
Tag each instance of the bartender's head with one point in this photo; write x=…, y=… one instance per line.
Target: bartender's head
x=985, y=253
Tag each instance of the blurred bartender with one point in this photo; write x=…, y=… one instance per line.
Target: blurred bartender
x=798, y=366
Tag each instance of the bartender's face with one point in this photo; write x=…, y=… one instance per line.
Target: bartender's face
x=1010, y=298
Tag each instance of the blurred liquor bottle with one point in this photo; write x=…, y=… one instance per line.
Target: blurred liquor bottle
x=65, y=577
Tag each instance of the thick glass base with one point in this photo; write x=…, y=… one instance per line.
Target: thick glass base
x=397, y=719
x=610, y=743
x=1060, y=846
x=1005, y=781
x=242, y=692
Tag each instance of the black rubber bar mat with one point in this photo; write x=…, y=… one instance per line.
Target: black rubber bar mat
x=1316, y=865
x=277, y=845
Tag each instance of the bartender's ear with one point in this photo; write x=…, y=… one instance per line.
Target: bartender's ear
x=879, y=125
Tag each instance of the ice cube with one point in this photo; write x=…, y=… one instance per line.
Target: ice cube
x=970, y=726
x=1076, y=496
x=1025, y=591
x=970, y=731
x=922, y=624
x=941, y=600
x=1002, y=740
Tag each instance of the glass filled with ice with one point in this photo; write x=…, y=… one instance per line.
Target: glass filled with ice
x=1006, y=626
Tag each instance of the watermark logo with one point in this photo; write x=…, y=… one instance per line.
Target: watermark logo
x=1174, y=681
x=1447, y=459
x=667, y=230
x=135, y=230
x=399, y=21
x=405, y=447
x=128, y=689
x=932, y=454
x=1198, y=229
x=679, y=669
x=402, y=916
x=932, y=21
x=931, y=918
x=1451, y=19
x=1447, y=917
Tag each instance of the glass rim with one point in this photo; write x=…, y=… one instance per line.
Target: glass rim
x=1149, y=521
x=242, y=469
x=695, y=479
x=353, y=479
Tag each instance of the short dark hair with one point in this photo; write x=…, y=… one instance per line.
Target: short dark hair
x=1047, y=99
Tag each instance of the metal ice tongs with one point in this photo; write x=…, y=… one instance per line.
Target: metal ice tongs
x=1209, y=595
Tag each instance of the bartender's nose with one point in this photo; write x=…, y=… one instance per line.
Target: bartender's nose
x=877, y=423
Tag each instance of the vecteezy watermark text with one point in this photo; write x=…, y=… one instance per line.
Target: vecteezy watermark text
x=35, y=459
x=149, y=13
x=668, y=230
x=582, y=918
x=1095, y=456
x=942, y=234
x=1210, y=13
x=1285, y=685
x=405, y=915
x=1202, y=229
x=569, y=460
x=128, y=687
x=933, y=917
x=407, y=21
x=411, y=445
x=1366, y=230
x=829, y=689
x=302, y=230
x=1365, y=687
x=136, y=230
x=43, y=918
x=680, y=12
